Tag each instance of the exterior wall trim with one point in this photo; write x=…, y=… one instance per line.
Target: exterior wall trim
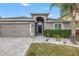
x=31, y=33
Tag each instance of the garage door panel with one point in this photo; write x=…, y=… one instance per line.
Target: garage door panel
x=8, y=30
x=14, y=30
x=22, y=30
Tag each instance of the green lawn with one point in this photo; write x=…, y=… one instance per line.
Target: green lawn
x=47, y=49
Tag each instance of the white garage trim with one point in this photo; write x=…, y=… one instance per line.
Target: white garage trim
x=14, y=22
x=31, y=29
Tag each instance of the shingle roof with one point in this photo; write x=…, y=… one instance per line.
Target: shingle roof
x=54, y=20
x=39, y=13
x=22, y=17
x=17, y=19
x=51, y=19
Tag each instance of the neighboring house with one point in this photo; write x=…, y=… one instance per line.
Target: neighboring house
x=30, y=26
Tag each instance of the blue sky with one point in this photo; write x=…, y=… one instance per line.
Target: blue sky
x=22, y=9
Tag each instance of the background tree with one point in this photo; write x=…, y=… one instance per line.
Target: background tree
x=70, y=8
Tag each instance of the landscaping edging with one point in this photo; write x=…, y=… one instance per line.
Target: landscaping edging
x=53, y=41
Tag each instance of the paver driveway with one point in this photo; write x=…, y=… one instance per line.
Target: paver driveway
x=14, y=46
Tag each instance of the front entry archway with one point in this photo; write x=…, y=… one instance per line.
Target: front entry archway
x=39, y=26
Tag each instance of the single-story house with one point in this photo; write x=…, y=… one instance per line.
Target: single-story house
x=30, y=26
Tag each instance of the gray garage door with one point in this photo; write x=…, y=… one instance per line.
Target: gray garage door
x=14, y=30
x=22, y=30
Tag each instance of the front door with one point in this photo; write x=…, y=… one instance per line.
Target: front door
x=39, y=29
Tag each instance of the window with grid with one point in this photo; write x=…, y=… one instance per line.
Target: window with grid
x=57, y=26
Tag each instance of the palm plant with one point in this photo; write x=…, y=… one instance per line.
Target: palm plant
x=68, y=8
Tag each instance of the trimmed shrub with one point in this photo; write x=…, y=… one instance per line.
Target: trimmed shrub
x=53, y=33
x=58, y=37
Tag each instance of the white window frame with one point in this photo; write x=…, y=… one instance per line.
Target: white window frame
x=58, y=23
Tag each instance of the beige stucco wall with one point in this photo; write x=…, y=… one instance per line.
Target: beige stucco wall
x=49, y=26
x=77, y=16
x=66, y=25
x=40, y=15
